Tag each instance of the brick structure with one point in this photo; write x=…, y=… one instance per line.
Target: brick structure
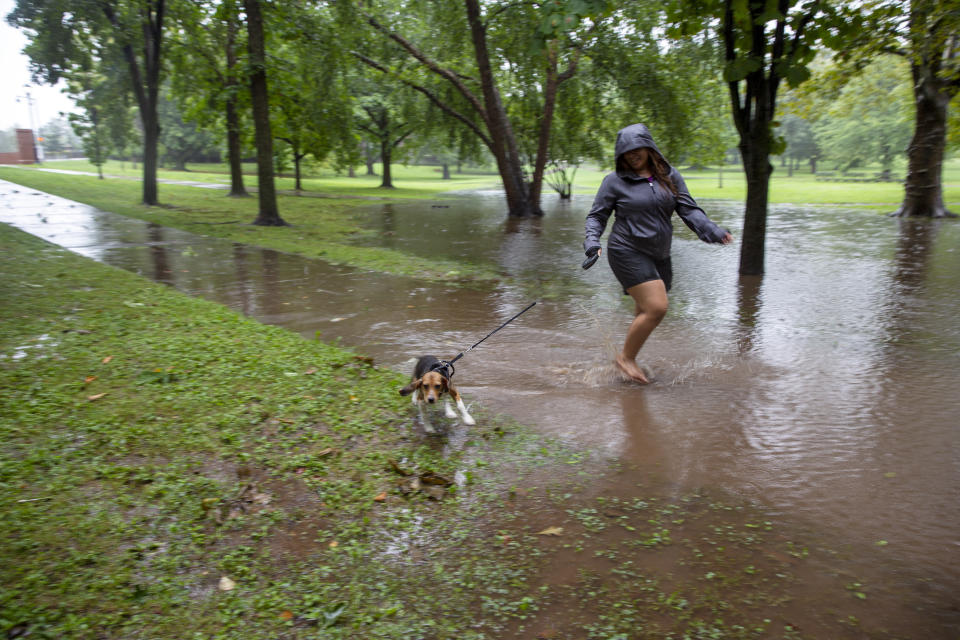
x=26, y=152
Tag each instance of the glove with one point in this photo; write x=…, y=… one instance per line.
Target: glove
x=593, y=254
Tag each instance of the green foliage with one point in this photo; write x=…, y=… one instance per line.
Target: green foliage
x=871, y=118
x=181, y=141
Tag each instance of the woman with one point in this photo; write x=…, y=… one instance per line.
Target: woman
x=644, y=191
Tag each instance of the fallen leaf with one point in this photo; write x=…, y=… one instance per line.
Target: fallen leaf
x=551, y=531
x=226, y=584
x=398, y=469
x=89, y=379
x=311, y=371
x=107, y=359
x=334, y=544
x=429, y=477
x=286, y=615
x=380, y=497
x=326, y=452
x=96, y=396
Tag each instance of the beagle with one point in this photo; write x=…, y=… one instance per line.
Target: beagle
x=431, y=379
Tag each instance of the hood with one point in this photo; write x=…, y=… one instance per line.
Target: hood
x=633, y=137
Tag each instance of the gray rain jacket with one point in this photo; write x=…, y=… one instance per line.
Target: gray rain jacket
x=644, y=208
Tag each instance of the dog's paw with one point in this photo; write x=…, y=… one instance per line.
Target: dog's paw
x=469, y=421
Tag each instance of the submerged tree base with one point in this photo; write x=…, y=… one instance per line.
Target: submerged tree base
x=913, y=211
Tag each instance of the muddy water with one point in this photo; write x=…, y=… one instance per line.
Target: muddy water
x=827, y=391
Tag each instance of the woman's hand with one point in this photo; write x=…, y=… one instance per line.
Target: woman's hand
x=593, y=254
x=727, y=238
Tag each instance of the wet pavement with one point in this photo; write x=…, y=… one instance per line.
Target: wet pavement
x=825, y=391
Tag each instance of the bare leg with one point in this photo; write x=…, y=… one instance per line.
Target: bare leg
x=651, y=305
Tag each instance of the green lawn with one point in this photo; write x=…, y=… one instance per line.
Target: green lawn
x=320, y=227
x=426, y=182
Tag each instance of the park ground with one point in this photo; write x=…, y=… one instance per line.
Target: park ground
x=172, y=469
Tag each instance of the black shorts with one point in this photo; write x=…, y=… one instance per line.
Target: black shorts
x=633, y=268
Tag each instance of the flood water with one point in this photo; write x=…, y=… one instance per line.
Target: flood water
x=825, y=391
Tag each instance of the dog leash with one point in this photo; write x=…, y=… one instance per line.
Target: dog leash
x=443, y=364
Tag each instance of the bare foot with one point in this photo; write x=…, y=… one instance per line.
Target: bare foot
x=630, y=369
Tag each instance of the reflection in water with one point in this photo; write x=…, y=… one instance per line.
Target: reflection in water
x=243, y=284
x=389, y=225
x=158, y=254
x=826, y=391
x=748, y=308
x=912, y=257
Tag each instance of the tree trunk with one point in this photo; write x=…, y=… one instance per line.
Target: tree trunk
x=151, y=139
x=386, y=153
x=752, y=116
x=756, y=164
x=446, y=171
x=268, y=215
x=234, y=153
x=504, y=144
x=146, y=88
x=297, y=159
x=924, y=189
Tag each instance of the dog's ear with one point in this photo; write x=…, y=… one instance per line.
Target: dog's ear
x=410, y=388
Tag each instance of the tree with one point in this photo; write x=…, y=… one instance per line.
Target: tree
x=927, y=35
x=66, y=36
x=269, y=214
x=59, y=136
x=387, y=125
x=310, y=103
x=506, y=30
x=800, y=141
x=105, y=122
x=182, y=141
x=869, y=118
x=764, y=43
x=211, y=93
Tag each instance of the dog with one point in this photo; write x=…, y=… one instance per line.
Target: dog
x=431, y=379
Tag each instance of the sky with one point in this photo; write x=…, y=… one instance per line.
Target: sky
x=48, y=101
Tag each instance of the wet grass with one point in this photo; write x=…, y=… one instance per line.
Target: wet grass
x=171, y=469
x=326, y=228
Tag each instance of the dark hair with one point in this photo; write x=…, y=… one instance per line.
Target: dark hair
x=658, y=167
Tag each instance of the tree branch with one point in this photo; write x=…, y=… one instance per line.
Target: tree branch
x=447, y=74
x=430, y=96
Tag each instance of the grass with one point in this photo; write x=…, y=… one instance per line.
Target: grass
x=409, y=181
x=171, y=469
x=320, y=227
x=153, y=444
x=800, y=188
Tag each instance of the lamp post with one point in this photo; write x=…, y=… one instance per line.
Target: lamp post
x=37, y=148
